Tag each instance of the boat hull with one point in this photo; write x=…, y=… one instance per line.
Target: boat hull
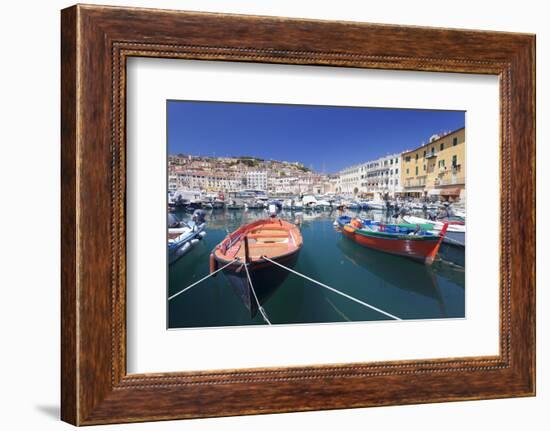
x=456, y=239
x=266, y=278
x=181, y=248
x=255, y=243
x=421, y=249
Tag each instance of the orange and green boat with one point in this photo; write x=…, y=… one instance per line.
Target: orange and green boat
x=407, y=240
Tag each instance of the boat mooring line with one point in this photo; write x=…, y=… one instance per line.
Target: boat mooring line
x=260, y=308
x=202, y=279
x=345, y=295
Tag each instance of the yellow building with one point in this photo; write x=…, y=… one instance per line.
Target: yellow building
x=437, y=168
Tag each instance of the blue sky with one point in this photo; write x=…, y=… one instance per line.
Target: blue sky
x=324, y=138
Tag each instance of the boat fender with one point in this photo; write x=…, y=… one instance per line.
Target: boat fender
x=356, y=224
x=194, y=241
x=202, y=234
x=213, y=263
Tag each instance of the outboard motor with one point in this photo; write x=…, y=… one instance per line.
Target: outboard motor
x=199, y=216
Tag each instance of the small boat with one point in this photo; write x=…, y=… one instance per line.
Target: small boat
x=354, y=206
x=456, y=231
x=377, y=205
x=309, y=202
x=255, y=205
x=234, y=206
x=454, y=242
x=273, y=238
x=184, y=236
x=323, y=205
x=278, y=204
x=406, y=241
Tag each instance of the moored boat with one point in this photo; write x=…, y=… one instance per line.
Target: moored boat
x=183, y=236
x=273, y=238
x=454, y=243
x=233, y=205
x=402, y=240
x=456, y=231
x=376, y=205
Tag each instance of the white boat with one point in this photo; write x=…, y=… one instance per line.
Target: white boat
x=182, y=239
x=323, y=204
x=309, y=202
x=376, y=205
x=455, y=235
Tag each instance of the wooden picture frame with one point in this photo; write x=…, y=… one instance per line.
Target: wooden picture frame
x=96, y=41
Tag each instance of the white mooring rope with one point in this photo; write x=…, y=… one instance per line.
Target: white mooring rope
x=202, y=279
x=260, y=308
x=332, y=289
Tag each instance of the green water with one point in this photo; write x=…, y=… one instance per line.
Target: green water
x=400, y=286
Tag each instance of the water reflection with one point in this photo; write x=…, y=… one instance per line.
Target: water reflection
x=397, y=285
x=399, y=272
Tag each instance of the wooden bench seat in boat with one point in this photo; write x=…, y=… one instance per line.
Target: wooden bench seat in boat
x=264, y=234
x=258, y=250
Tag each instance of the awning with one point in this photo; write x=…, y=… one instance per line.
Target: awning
x=450, y=192
x=434, y=192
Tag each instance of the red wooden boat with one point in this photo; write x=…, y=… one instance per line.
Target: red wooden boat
x=276, y=239
x=408, y=242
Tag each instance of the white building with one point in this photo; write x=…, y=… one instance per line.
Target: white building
x=350, y=179
x=375, y=177
x=283, y=184
x=383, y=176
x=256, y=180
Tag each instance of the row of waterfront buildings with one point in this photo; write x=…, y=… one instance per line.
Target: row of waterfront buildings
x=434, y=169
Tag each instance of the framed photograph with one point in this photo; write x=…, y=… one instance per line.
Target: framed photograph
x=266, y=215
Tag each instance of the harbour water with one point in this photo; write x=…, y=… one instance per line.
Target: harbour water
x=402, y=287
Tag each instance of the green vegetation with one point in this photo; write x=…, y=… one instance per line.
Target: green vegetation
x=249, y=161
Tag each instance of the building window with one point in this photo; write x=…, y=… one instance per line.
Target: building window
x=396, y=171
x=424, y=153
x=424, y=168
x=455, y=141
x=416, y=156
x=408, y=158
x=455, y=161
x=441, y=146
x=417, y=170
x=407, y=171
